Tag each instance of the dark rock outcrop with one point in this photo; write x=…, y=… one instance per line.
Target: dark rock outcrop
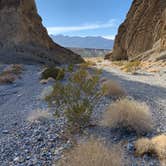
x=143, y=33
x=24, y=39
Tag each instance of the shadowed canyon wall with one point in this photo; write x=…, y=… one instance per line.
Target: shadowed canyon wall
x=23, y=37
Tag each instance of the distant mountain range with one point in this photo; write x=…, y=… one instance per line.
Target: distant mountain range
x=83, y=42
x=90, y=52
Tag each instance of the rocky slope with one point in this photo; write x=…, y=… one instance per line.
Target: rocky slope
x=23, y=37
x=143, y=33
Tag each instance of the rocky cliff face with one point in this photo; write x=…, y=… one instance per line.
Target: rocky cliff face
x=143, y=33
x=23, y=37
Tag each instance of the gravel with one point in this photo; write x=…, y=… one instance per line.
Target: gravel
x=144, y=87
x=23, y=142
x=41, y=143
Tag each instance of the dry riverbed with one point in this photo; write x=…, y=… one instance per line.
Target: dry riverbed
x=41, y=142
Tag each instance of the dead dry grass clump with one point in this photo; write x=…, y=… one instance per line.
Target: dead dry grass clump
x=14, y=69
x=7, y=78
x=131, y=66
x=130, y=115
x=10, y=74
x=92, y=153
x=156, y=145
x=87, y=64
x=112, y=88
x=38, y=114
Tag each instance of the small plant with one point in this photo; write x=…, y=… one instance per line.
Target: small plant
x=92, y=153
x=129, y=115
x=112, y=88
x=132, y=66
x=119, y=63
x=70, y=68
x=77, y=98
x=14, y=69
x=87, y=64
x=85, y=80
x=56, y=73
x=156, y=145
x=38, y=114
x=7, y=78
x=10, y=74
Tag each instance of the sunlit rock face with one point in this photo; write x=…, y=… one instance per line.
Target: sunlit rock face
x=143, y=33
x=23, y=37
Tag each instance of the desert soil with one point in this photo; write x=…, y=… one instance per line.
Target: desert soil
x=40, y=143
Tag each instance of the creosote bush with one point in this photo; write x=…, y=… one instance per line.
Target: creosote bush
x=129, y=115
x=54, y=72
x=112, y=88
x=77, y=97
x=92, y=153
x=70, y=68
x=156, y=145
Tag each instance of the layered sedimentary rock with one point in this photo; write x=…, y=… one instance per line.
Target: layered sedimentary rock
x=143, y=33
x=24, y=39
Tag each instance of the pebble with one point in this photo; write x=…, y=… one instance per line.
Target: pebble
x=5, y=132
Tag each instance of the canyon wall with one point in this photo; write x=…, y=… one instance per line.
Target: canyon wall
x=23, y=38
x=143, y=33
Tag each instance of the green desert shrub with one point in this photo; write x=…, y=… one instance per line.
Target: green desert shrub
x=76, y=99
x=54, y=72
x=70, y=68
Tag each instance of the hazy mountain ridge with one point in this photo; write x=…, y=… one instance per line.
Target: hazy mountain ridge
x=90, y=52
x=83, y=42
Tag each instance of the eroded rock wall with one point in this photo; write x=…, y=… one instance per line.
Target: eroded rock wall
x=143, y=31
x=24, y=38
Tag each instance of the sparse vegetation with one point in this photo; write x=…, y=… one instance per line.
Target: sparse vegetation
x=128, y=66
x=14, y=69
x=156, y=145
x=10, y=74
x=77, y=98
x=119, y=63
x=87, y=64
x=46, y=92
x=129, y=115
x=92, y=153
x=7, y=78
x=38, y=114
x=70, y=68
x=132, y=66
x=54, y=72
x=112, y=88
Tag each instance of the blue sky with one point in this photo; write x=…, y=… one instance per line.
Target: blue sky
x=83, y=17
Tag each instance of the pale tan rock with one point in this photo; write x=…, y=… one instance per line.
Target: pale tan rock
x=143, y=33
x=23, y=37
